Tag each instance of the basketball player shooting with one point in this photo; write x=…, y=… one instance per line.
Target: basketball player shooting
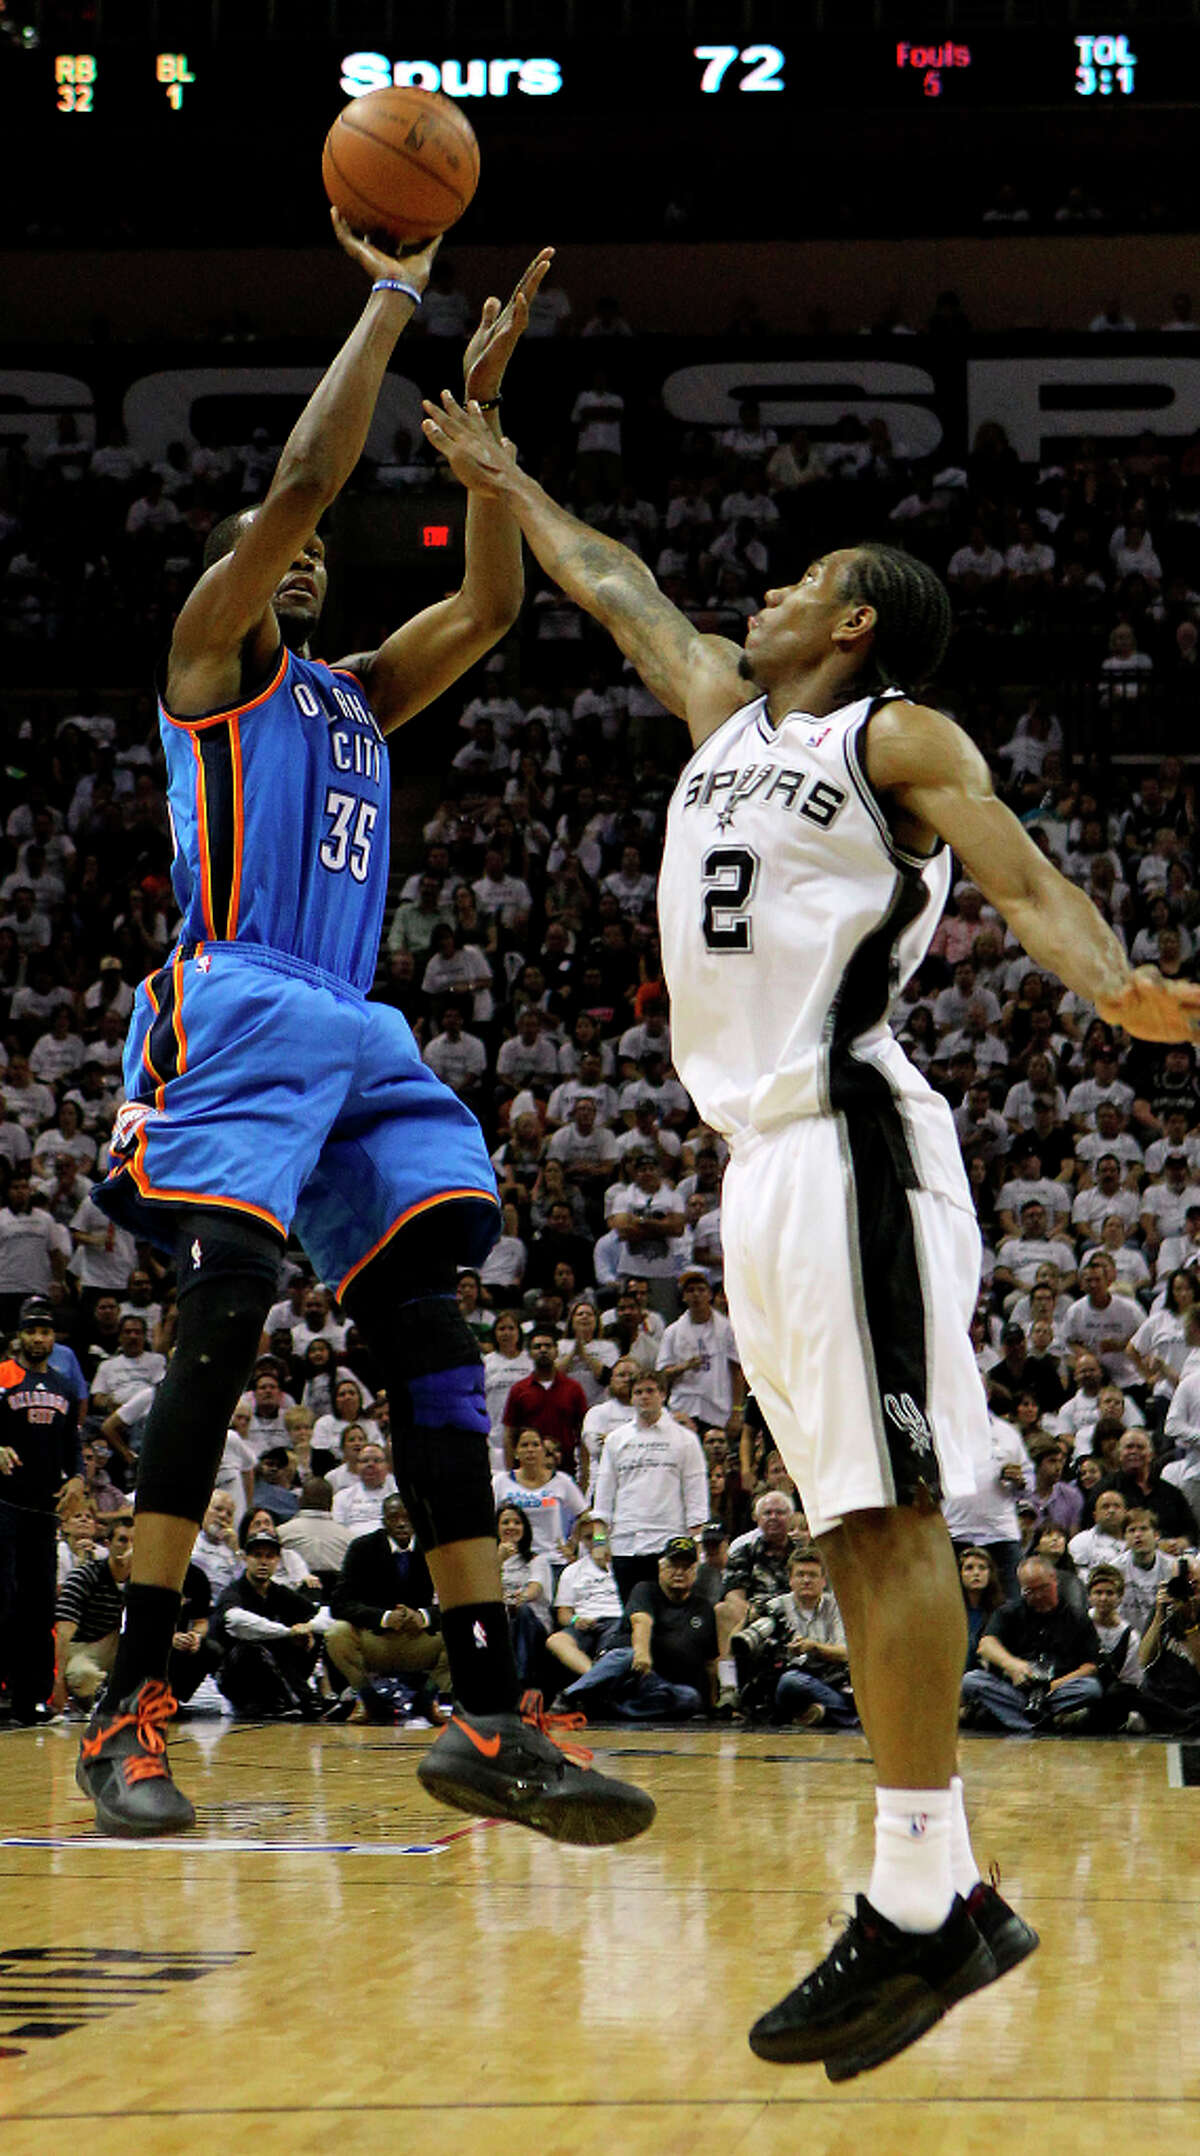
x=263, y=1090
x=807, y=860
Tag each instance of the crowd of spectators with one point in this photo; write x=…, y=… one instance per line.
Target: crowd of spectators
x=523, y=949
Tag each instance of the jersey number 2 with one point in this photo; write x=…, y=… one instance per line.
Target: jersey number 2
x=342, y=849
x=730, y=874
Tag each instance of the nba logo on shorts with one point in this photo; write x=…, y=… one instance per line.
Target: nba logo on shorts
x=479, y=1636
x=917, y=1825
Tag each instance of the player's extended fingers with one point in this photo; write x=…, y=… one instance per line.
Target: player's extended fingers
x=531, y=278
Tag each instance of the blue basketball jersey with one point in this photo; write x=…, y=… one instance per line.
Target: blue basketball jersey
x=280, y=812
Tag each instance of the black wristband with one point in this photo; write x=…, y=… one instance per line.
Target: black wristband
x=487, y=404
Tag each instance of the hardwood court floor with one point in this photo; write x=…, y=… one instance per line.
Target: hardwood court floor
x=490, y=1995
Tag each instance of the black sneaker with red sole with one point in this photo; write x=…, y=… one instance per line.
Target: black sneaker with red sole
x=509, y=1766
x=122, y=1765
x=878, y=1990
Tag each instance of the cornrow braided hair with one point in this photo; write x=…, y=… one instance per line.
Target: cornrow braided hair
x=912, y=607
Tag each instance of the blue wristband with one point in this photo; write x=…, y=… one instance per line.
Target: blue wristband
x=397, y=284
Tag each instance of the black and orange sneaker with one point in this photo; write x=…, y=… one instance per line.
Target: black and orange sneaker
x=876, y=1992
x=122, y=1765
x=509, y=1766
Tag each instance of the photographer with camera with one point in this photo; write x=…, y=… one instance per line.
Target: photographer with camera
x=1039, y=1661
x=757, y=1572
x=814, y=1683
x=1170, y=1652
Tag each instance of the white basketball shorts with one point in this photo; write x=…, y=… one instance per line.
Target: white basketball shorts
x=851, y=1285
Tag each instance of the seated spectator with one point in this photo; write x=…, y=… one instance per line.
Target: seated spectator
x=587, y=1606
x=1103, y=1543
x=549, y=1498
x=1050, y=1542
x=527, y=1581
x=983, y=1594
x=134, y=1365
x=1146, y=1567
x=1053, y=1498
x=276, y=1484
x=383, y=1606
x=814, y=1684
x=88, y=1620
x=1102, y=1321
x=458, y=1058
x=263, y=1634
x=216, y=1550
x=359, y=1506
x=668, y=1670
x=1119, y=1668
x=1142, y=1486
x=757, y=1573
x=313, y=1535
x=1169, y=1652
x=1038, y=1661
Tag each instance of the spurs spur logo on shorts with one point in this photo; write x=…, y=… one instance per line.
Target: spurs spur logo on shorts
x=902, y=1409
x=127, y=1124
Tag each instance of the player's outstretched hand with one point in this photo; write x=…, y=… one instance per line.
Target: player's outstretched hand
x=495, y=340
x=470, y=448
x=414, y=268
x=1153, y=1008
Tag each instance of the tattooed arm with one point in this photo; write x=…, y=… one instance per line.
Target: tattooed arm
x=695, y=676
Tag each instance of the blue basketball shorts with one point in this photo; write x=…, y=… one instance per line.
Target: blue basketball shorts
x=257, y=1082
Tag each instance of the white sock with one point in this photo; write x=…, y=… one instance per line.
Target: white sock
x=727, y=1671
x=964, y=1870
x=911, y=1883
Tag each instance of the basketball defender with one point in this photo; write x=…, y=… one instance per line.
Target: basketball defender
x=264, y=1091
x=806, y=863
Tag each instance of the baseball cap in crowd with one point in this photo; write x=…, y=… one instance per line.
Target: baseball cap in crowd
x=692, y=1272
x=111, y=964
x=36, y=1310
x=713, y=1531
x=263, y=1538
x=274, y=1456
x=1010, y=1333
x=683, y=1549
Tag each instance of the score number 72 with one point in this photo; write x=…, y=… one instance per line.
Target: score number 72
x=764, y=62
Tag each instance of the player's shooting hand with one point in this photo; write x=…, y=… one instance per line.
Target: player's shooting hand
x=413, y=268
x=495, y=340
x=1153, y=1008
x=8, y=1459
x=464, y=438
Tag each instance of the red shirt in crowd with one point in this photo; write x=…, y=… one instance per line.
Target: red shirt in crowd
x=555, y=1410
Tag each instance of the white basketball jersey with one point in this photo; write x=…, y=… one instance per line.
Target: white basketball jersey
x=790, y=919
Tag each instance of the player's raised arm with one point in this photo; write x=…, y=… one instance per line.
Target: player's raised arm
x=939, y=783
x=695, y=676
x=227, y=635
x=427, y=654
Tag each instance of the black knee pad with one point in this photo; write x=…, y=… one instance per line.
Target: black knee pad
x=434, y=1372
x=220, y=1325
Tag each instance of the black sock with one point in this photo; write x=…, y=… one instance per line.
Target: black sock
x=148, y=1630
x=480, y=1654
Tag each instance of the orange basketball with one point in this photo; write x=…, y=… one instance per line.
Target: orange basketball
x=404, y=162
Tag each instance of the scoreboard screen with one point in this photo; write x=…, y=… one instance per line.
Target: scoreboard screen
x=178, y=88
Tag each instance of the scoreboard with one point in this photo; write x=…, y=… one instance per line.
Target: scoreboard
x=300, y=83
